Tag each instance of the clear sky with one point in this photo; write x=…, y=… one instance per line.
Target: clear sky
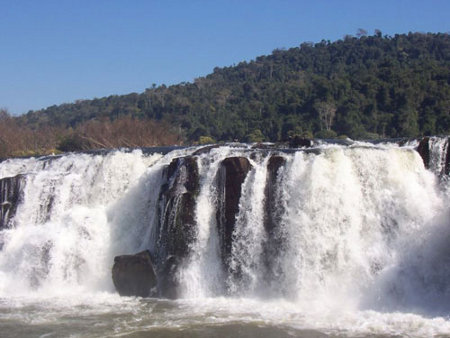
x=56, y=51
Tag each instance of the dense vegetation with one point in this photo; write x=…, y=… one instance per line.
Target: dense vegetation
x=361, y=87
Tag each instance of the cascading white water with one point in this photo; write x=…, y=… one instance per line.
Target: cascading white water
x=438, y=149
x=348, y=211
x=349, y=217
x=205, y=258
x=78, y=211
x=357, y=228
x=249, y=235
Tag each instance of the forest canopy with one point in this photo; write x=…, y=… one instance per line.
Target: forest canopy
x=363, y=87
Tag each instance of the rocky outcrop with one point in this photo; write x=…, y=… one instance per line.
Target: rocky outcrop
x=175, y=233
x=176, y=230
x=133, y=275
x=298, y=142
x=272, y=216
x=232, y=173
x=427, y=147
x=273, y=166
x=424, y=151
x=10, y=196
x=168, y=282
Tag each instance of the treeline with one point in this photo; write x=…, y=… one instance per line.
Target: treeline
x=18, y=139
x=362, y=87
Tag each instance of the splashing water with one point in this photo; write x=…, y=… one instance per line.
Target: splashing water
x=358, y=242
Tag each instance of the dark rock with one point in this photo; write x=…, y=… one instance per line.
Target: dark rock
x=178, y=217
x=231, y=175
x=273, y=166
x=176, y=228
x=10, y=196
x=401, y=142
x=168, y=284
x=424, y=151
x=272, y=216
x=297, y=142
x=133, y=275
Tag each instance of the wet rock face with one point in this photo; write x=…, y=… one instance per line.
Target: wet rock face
x=10, y=196
x=424, y=151
x=177, y=220
x=231, y=175
x=272, y=215
x=168, y=283
x=177, y=200
x=297, y=142
x=273, y=166
x=133, y=275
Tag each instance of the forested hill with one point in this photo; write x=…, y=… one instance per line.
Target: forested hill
x=365, y=87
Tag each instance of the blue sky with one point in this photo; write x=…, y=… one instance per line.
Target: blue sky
x=56, y=51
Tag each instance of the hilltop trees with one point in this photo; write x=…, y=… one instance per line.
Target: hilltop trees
x=327, y=112
x=362, y=87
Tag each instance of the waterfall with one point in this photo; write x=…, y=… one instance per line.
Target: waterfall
x=249, y=236
x=75, y=210
x=357, y=226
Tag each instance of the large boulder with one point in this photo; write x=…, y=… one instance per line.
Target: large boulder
x=273, y=167
x=178, y=214
x=272, y=216
x=424, y=151
x=10, y=196
x=133, y=275
x=168, y=282
x=300, y=142
x=176, y=228
x=232, y=173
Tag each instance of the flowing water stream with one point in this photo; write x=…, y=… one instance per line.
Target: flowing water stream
x=357, y=243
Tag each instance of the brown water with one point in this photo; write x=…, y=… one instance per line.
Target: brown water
x=111, y=316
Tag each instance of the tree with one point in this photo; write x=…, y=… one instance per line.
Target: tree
x=255, y=136
x=391, y=86
x=361, y=32
x=4, y=114
x=205, y=140
x=326, y=111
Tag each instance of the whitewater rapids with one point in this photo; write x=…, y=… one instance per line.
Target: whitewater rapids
x=363, y=235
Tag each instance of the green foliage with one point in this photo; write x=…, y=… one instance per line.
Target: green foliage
x=326, y=134
x=255, y=136
x=379, y=86
x=300, y=133
x=205, y=140
x=72, y=142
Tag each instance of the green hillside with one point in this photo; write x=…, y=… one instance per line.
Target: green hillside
x=365, y=87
